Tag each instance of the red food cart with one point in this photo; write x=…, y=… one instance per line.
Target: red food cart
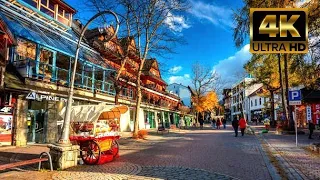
x=95, y=128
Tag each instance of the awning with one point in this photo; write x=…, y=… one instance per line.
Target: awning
x=310, y=96
x=65, y=43
x=93, y=113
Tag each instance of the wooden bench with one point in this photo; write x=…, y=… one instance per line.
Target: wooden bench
x=162, y=129
x=28, y=162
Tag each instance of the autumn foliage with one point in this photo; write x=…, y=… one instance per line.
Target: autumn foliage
x=206, y=102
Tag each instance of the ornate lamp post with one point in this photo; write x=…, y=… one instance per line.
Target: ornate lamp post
x=64, y=139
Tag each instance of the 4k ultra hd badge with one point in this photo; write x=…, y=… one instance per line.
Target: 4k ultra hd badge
x=278, y=30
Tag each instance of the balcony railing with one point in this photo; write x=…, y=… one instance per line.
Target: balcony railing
x=36, y=70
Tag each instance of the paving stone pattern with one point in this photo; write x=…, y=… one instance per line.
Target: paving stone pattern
x=299, y=163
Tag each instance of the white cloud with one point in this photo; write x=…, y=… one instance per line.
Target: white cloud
x=175, y=69
x=176, y=23
x=231, y=69
x=184, y=80
x=219, y=16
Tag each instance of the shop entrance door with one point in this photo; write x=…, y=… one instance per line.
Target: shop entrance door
x=36, y=126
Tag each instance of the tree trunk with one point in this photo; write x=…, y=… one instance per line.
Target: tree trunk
x=286, y=78
x=138, y=102
x=273, y=123
x=283, y=97
x=116, y=97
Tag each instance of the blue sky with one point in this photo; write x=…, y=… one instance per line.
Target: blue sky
x=207, y=28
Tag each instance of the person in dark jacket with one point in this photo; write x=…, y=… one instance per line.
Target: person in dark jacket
x=224, y=122
x=311, y=128
x=201, y=122
x=235, y=125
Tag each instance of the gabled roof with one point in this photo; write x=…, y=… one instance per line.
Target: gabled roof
x=149, y=63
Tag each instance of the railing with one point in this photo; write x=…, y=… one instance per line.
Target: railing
x=36, y=70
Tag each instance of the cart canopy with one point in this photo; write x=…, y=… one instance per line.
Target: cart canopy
x=93, y=113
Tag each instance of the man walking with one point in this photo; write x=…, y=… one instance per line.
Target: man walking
x=235, y=124
x=224, y=122
x=311, y=128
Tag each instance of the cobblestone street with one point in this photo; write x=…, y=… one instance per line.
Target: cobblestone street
x=185, y=154
x=296, y=162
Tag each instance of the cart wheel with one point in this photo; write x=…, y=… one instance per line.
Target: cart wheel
x=90, y=152
x=115, y=148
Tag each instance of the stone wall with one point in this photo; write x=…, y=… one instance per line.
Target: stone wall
x=20, y=122
x=51, y=118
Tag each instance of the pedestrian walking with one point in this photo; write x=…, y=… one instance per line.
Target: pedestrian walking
x=181, y=123
x=255, y=119
x=242, y=125
x=201, y=122
x=311, y=128
x=235, y=124
x=213, y=123
x=266, y=123
x=224, y=122
x=218, y=123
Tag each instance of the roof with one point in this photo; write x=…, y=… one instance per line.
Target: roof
x=65, y=44
x=65, y=5
x=148, y=64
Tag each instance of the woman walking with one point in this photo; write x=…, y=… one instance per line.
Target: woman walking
x=242, y=125
x=218, y=123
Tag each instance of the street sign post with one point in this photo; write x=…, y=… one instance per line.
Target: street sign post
x=294, y=100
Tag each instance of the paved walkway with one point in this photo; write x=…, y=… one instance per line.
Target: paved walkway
x=185, y=154
x=296, y=162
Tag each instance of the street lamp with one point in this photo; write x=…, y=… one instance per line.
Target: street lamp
x=64, y=138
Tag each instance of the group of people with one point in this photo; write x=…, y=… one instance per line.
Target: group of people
x=217, y=123
x=242, y=123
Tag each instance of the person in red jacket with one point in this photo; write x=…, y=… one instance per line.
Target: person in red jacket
x=242, y=125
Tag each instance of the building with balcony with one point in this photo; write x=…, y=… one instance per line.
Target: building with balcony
x=226, y=101
x=239, y=101
x=40, y=42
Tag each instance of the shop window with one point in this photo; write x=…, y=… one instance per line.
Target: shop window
x=46, y=58
x=25, y=49
x=62, y=64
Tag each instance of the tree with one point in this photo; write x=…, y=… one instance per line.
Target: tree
x=207, y=102
x=203, y=80
x=262, y=68
x=150, y=25
x=241, y=32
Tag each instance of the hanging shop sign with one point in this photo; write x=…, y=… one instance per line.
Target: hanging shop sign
x=39, y=97
x=309, y=114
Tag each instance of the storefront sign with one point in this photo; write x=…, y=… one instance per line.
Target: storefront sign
x=40, y=97
x=309, y=114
